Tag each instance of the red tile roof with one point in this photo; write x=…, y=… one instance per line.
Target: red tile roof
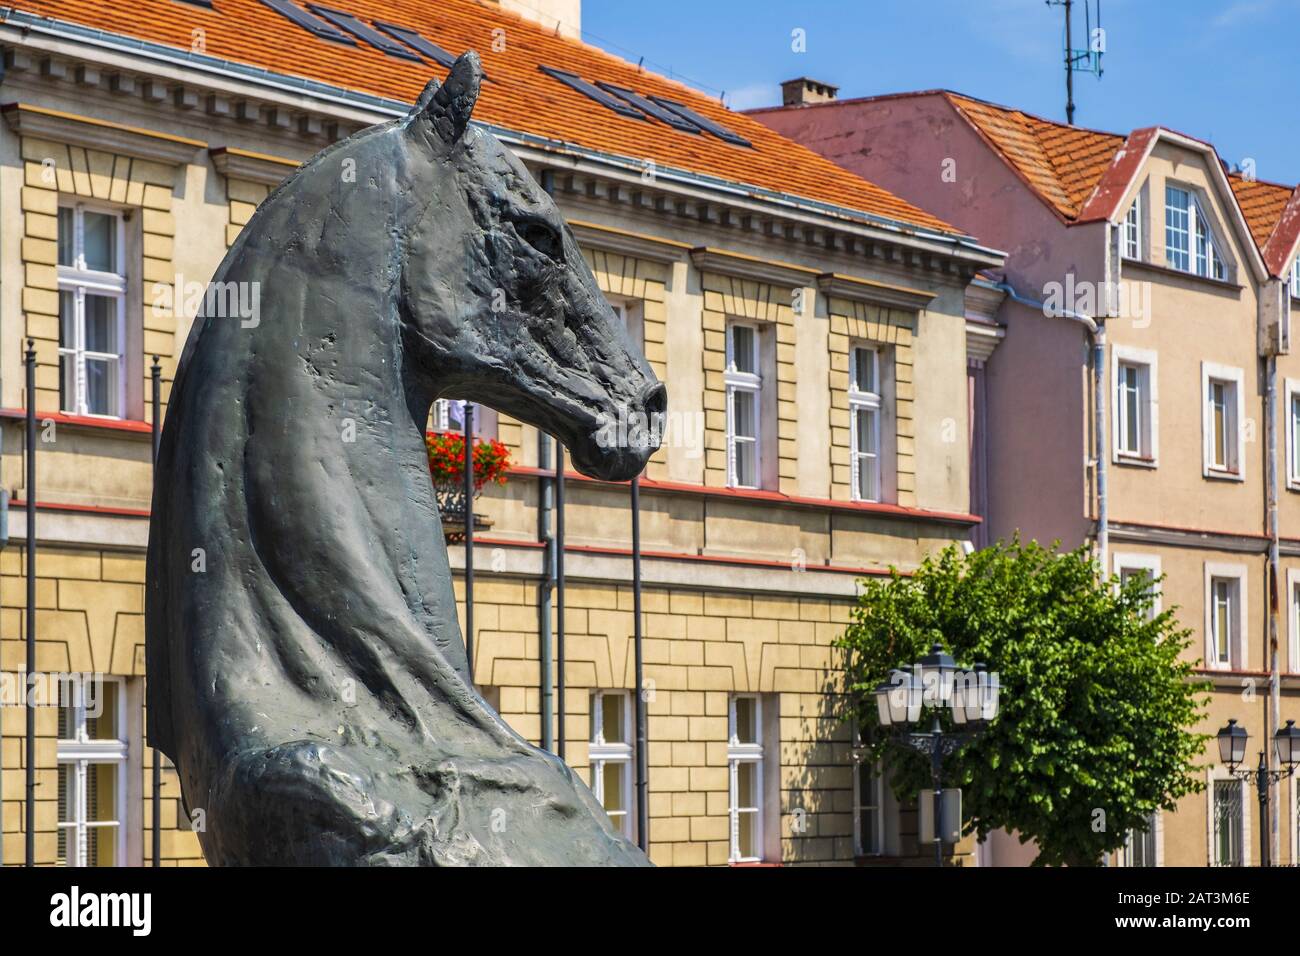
x=1063, y=163
x=519, y=97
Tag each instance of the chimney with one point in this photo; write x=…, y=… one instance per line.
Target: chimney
x=564, y=14
x=802, y=91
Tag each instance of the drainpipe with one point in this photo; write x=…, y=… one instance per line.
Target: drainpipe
x=1097, y=359
x=1272, y=713
x=546, y=586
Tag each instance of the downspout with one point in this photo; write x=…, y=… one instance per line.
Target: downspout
x=546, y=586
x=1097, y=359
x=1273, y=712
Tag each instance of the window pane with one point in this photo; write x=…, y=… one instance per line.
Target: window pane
x=101, y=242
x=101, y=386
x=1176, y=228
x=742, y=349
x=743, y=413
x=1227, y=822
x=864, y=370
x=747, y=842
x=746, y=720
x=101, y=807
x=101, y=324
x=1222, y=619
x=67, y=810
x=67, y=319
x=746, y=464
x=66, y=221
x=866, y=430
x=102, y=698
x=611, y=706
x=612, y=775
x=1295, y=435
x=746, y=784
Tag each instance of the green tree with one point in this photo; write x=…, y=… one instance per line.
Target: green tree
x=1093, y=732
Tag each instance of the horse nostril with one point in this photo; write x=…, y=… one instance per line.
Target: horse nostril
x=655, y=399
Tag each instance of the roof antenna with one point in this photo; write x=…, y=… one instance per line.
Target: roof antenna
x=638, y=63
x=1087, y=60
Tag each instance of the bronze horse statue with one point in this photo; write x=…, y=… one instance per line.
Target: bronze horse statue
x=307, y=674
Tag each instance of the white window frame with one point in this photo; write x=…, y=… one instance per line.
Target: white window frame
x=1213, y=774
x=1123, y=858
x=1291, y=389
x=1237, y=642
x=1131, y=237
x=600, y=752
x=865, y=401
x=876, y=806
x=1293, y=622
x=1148, y=439
x=80, y=281
x=1295, y=278
x=738, y=753
x=1216, y=265
x=751, y=382
x=79, y=752
x=1122, y=561
x=1235, y=441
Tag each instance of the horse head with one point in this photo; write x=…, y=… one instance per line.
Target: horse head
x=523, y=322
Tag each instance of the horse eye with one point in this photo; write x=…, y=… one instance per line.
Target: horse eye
x=542, y=238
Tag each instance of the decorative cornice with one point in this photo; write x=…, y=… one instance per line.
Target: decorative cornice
x=252, y=167
x=875, y=293
x=721, y=262
x=982, y=338
x=1188, y=537
x=635, y=244
x=983, y=301
x=99, y=134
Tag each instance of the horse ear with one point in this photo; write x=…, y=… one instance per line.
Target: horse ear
x=447, y=106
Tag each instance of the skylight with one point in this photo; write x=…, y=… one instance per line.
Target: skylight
x=646, y=106
x=635, y=105
x=600, y=96
x=363, y=31
x=703, y=122
x=308, y=22
x=417, y=42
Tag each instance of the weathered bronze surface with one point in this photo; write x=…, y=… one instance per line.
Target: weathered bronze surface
x=307, y=674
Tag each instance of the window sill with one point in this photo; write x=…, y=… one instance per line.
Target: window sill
x=1218, y=474
x=1135, y=461
x=1225, y=285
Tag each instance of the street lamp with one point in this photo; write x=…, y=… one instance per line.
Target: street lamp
x=935, y=683
x=1232, y=751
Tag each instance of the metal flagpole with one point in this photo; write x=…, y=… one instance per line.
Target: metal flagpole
x=642, y=758
x=559, y=596
x=469, y=539
x=156, y=771
x=30, y=821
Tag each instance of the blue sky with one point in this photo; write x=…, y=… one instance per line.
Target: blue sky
x=1227, y=72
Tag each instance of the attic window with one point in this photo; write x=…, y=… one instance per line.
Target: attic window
x=363, y=31
x=704, y=123
x=309, y=23
x=647, y=106
x=205, y=4
x=417, y=43
x=573, y=81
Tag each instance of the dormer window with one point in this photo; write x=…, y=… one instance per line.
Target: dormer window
x=1189, y=241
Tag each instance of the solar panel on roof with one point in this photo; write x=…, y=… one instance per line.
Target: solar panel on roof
x=362, y=31
x=576, y=82
x=417, y=42
x=703, y=122
x=646, y=106
x=309, y=23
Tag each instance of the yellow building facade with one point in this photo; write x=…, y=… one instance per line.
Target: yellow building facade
x=816, y=363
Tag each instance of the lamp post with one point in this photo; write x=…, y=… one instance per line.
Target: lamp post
x=1232, y=751
x=934, y=684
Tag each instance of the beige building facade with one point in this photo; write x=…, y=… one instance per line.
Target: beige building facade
x=814, y=340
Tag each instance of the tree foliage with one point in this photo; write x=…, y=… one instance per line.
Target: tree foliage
x=1093, y=730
